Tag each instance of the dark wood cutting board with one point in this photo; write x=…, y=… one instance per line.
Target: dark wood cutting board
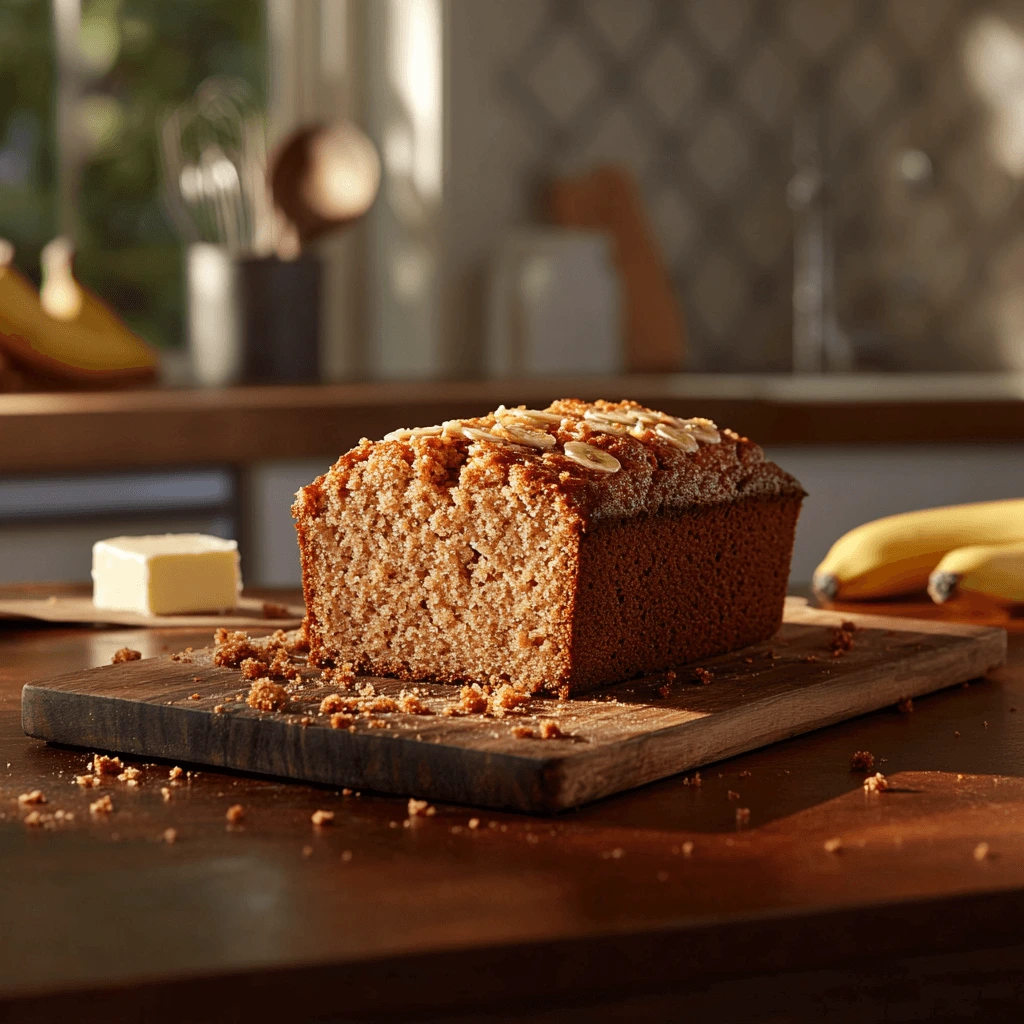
x=622, y=737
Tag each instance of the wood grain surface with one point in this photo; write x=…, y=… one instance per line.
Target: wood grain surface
x=620, y=738
x=236, y=426
x=651, y=905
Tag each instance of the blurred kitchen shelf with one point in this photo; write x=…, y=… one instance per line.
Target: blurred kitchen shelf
x=45, y=433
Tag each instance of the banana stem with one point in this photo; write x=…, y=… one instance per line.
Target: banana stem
x=942, y=586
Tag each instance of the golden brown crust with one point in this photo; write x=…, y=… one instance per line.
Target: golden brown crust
x=419, y=551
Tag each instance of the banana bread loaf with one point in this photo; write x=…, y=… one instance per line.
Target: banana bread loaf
x=556, y=549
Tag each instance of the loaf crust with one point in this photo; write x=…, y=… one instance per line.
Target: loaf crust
x=480, y=559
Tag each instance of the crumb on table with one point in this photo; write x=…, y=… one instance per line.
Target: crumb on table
x=742, y=815
x=235, y=813
x=321, y=818
x=175, y=773
x=103, y=765
x=36, y=796
x=703, y=676
x=833, y=845
x=549, y=730
x=170, y=835
x=905, y=705
x=102, y=806
x=341, y=720
x=88, y=781
x=862, y=761
x=130, y=774
x=266, y=695
x=522, y=732
x=420, y=808
x=876, y=783
x=125, y=654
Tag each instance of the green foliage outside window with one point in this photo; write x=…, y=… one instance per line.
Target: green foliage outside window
x=138, y=58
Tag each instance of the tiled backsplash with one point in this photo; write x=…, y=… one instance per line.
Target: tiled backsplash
x=920, y=108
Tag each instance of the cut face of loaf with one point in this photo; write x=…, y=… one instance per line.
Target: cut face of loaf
x=557, y=550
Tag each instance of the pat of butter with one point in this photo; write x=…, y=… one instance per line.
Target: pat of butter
x=171, y=574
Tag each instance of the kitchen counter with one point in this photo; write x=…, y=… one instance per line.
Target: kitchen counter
x=608, y=910
x=58, y=433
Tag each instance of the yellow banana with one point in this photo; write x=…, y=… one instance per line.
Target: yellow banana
x=95, y=339
x=996, y=570
x=895, y=555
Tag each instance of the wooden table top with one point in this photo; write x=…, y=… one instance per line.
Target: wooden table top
x=58, y=433
x=372, y=917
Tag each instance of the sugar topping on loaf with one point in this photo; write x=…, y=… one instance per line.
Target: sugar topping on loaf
x=608, y=459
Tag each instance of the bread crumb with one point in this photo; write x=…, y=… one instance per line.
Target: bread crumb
x=282, y=667
x=130, y=774
x=862, y=761
x=275, y=611
x=411, y=704
x=549, y=730
x=170, y=835
x=232, y=648
x=833, y=845
x=335, y=702
x=102, y=806
x=165, y=793
x=981, y=851
x=905, y=705
x=703, y=676
x=692, y=780
x=343, y=676
x=732, y=795
x=322, y=818
x=339, y=720
x=103, y=765
x=956, y=734
x=235, y=813
x=265, y=695
x=33, y=819
x=506, y=698
x=175, y=773
x=663, y=691
x=125, y=654
x=474, y=822
x=87, y=780
x=420, y=808
x=842, y=639
x=687, y=848
x=522, y=732
x=253, y=668
x=742, y=815
x=472, y=700
x=36, y=796
x=876, y=783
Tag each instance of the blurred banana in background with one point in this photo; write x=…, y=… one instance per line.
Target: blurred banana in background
x=896, y=555
x=995, y=570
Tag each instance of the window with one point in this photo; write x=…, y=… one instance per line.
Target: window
x=115, y=67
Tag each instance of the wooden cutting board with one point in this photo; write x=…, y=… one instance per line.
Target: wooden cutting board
x=619, y=738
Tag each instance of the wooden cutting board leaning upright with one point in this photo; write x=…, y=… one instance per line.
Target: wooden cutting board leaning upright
x=808, y=676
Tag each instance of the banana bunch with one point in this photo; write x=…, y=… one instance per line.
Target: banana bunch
x=977, y=548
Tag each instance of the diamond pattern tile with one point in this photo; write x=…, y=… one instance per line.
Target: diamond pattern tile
x=620, y=24
x=922, y=156
x=671, y=80
x=563, y=78
x=720, y=24
x=718, y=154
